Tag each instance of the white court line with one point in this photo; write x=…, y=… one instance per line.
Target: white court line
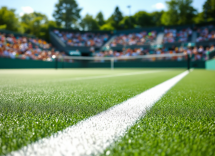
x=92, y=136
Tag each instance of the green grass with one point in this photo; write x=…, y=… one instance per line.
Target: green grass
x=181, y=123
x=37, y=103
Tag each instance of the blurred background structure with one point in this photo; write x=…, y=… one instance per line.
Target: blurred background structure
x=177, y=27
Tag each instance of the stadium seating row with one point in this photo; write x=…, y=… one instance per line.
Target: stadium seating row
x=82, y=39
x=206, y=33
x=196, y=53
x=140, y=38
x=23, y=47
x=123, y=44
x=172, y=35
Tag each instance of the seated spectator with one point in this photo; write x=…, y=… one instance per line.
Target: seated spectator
x=196, y=53
x=134, y=39
x=201, y=50
x=40, y=43
x=206, y=33
x=82, y=39
x=172, y=35
x=21, y=47
x=169, y=35
x=212, y=48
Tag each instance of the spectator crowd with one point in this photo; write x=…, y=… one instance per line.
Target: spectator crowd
x=196, y=53
x=172, y=35
x=82, y=39
x=23, y=47
x=205, y=34
x=40, y=43
x=26, y=48
x=134, y=39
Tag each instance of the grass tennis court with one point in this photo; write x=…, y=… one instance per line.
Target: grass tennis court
x=181, y=123
x=37, y=103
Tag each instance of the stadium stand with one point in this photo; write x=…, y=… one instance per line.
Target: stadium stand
x=24, y=47
x=87, y=39
x=206, y=33
x=40, y=43
x=124, y=43
x=177, y=35
x=140, y=38
x=84, y=41
x=135, y=38
x=174, y=35
x=196, y=53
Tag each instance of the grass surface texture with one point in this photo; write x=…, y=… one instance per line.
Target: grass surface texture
x=37, y=103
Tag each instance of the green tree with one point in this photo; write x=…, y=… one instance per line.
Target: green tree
x=9, y=20
x=199, y=18
x=143, y=19
x=100, y=18
x=3, y=26
x=209, y=9
x=44, y=29
x=127, y=22
x=37, y=24
x=33, y=22
x=156, y=18
x=67, y=13
x=107, y=27
x=179, y=12
x=89, y=23
x=115, y=19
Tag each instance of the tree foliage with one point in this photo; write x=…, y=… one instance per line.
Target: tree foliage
x=33, y=22
x=199, y=18
x=4, y=26
x=127, y=22
x=107, y=27
x=115, y=18
x=209, y=9
x=8, y=19
x=100, y=19
x=44, y=30
x=89, y=23
x=156, y=18
x=179, y=12
x=37, y=24
x=143, y=19
x=67, y=13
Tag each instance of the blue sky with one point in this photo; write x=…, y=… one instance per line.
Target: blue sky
x=91, y=6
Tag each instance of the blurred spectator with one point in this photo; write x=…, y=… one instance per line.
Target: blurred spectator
x=22, y=48
x=82, y=39
x=196, y=53
x=134, y=39
x=172, y=35
x=206, y=33
x=38, y=49
x=40, y=43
